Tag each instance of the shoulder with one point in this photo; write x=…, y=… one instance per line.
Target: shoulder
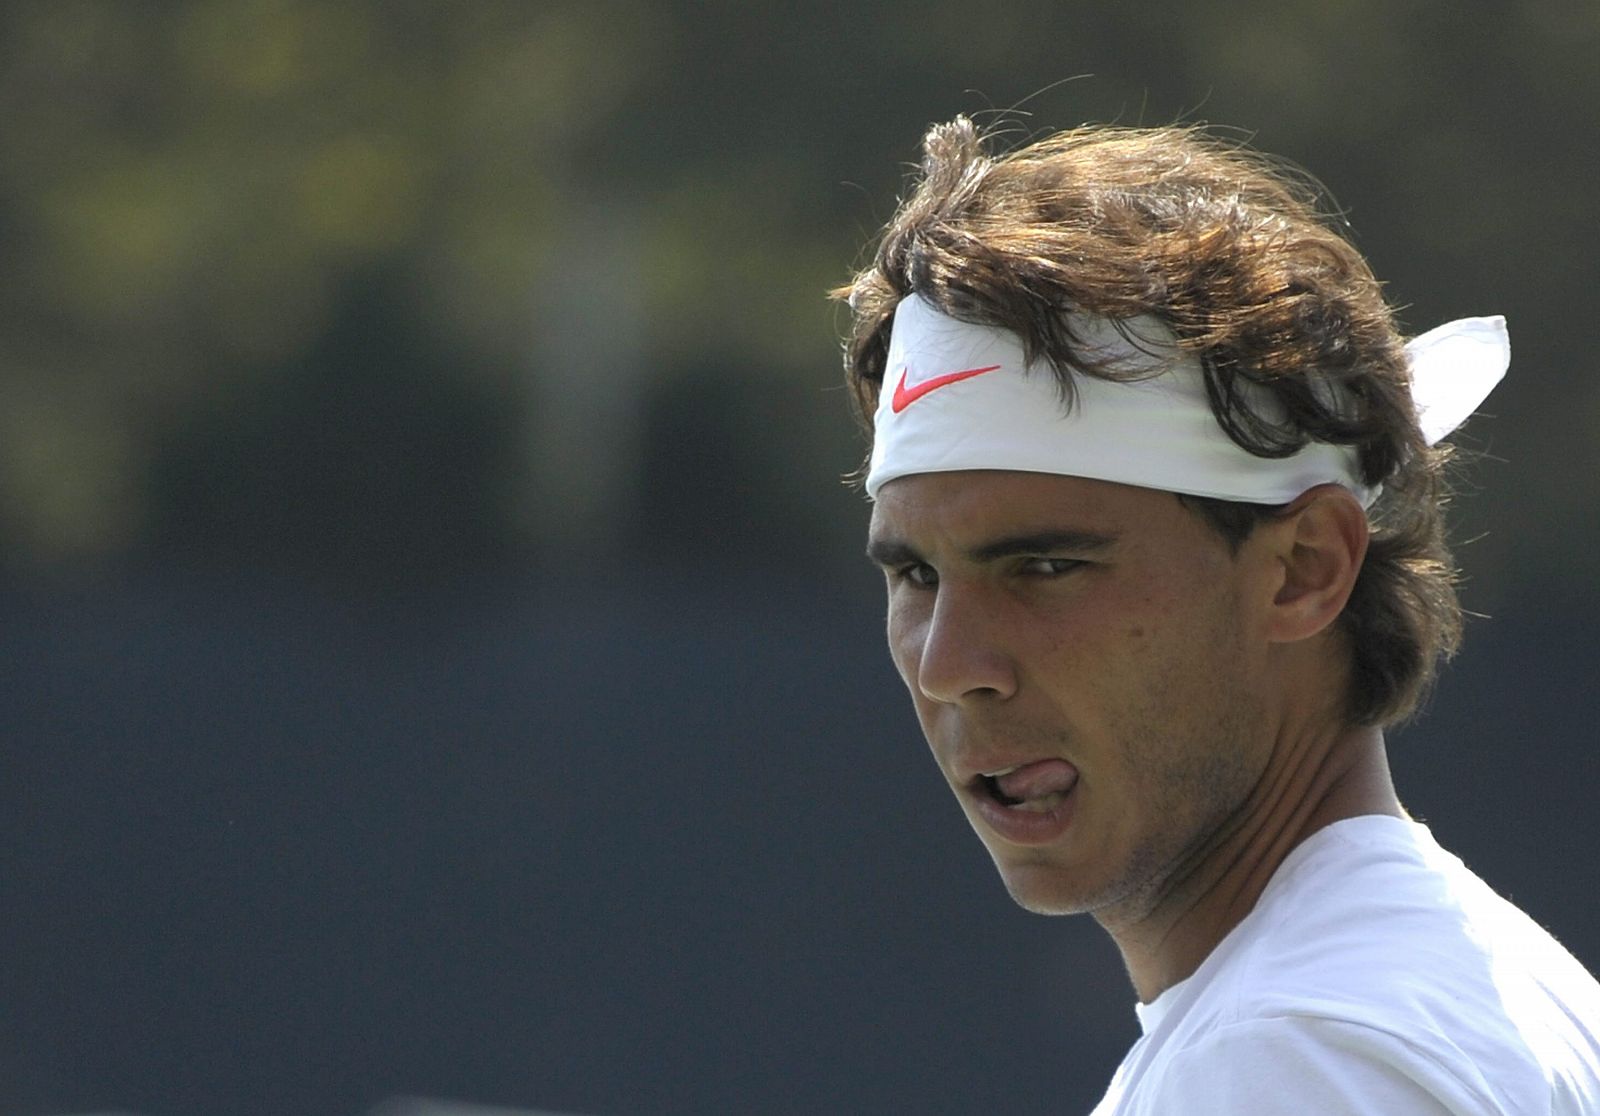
x=1376, y=962
x=1374, y=923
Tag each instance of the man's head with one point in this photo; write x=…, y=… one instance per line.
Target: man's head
x=1298, y=350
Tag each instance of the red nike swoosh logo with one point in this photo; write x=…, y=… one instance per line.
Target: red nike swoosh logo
x=904, y=396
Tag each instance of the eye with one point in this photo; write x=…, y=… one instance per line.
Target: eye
x=917, y=574
x=1051, y=567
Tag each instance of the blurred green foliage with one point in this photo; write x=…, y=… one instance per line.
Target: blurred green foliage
x=276, y=269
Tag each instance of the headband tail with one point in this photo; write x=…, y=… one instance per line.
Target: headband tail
x=1454, y=368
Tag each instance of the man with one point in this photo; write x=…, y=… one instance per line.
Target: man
x=1158, y=504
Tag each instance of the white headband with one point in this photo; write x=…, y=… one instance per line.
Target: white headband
x=959, y=396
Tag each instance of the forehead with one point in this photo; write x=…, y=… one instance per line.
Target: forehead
x=962, y=505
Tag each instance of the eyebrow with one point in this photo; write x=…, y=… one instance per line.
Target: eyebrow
x=894, y=552
x=1043, y=542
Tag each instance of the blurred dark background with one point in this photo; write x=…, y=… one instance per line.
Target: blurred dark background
x=436, y=653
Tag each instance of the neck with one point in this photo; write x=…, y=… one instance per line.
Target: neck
x=1323, y=777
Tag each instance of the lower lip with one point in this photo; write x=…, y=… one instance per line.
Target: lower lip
x=1028, y=827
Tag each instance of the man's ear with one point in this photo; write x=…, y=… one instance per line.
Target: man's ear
x=1320, y=541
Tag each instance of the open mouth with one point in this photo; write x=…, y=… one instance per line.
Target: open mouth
x=991, y=787
x=1035, y=788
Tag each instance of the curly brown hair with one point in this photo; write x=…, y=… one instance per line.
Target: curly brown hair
x=1231, y=250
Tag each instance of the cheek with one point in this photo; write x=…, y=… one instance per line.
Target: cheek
x=1191, y=655
x=1151, y=651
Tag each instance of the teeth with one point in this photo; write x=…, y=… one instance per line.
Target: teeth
x=1002, y=771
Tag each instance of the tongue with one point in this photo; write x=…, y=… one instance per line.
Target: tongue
x=1035, y=780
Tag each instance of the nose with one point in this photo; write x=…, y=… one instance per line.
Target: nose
x=962, y=654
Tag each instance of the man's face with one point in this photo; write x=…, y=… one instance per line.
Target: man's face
x=1087, y=663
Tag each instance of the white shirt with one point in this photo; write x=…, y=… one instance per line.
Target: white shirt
x=1376, y=975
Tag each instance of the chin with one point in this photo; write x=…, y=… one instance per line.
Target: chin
x=1044, y=890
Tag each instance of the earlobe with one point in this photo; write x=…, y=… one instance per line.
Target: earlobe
x=1322, y=540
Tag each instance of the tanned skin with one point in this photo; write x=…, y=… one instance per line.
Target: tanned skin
x=1186, y=695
